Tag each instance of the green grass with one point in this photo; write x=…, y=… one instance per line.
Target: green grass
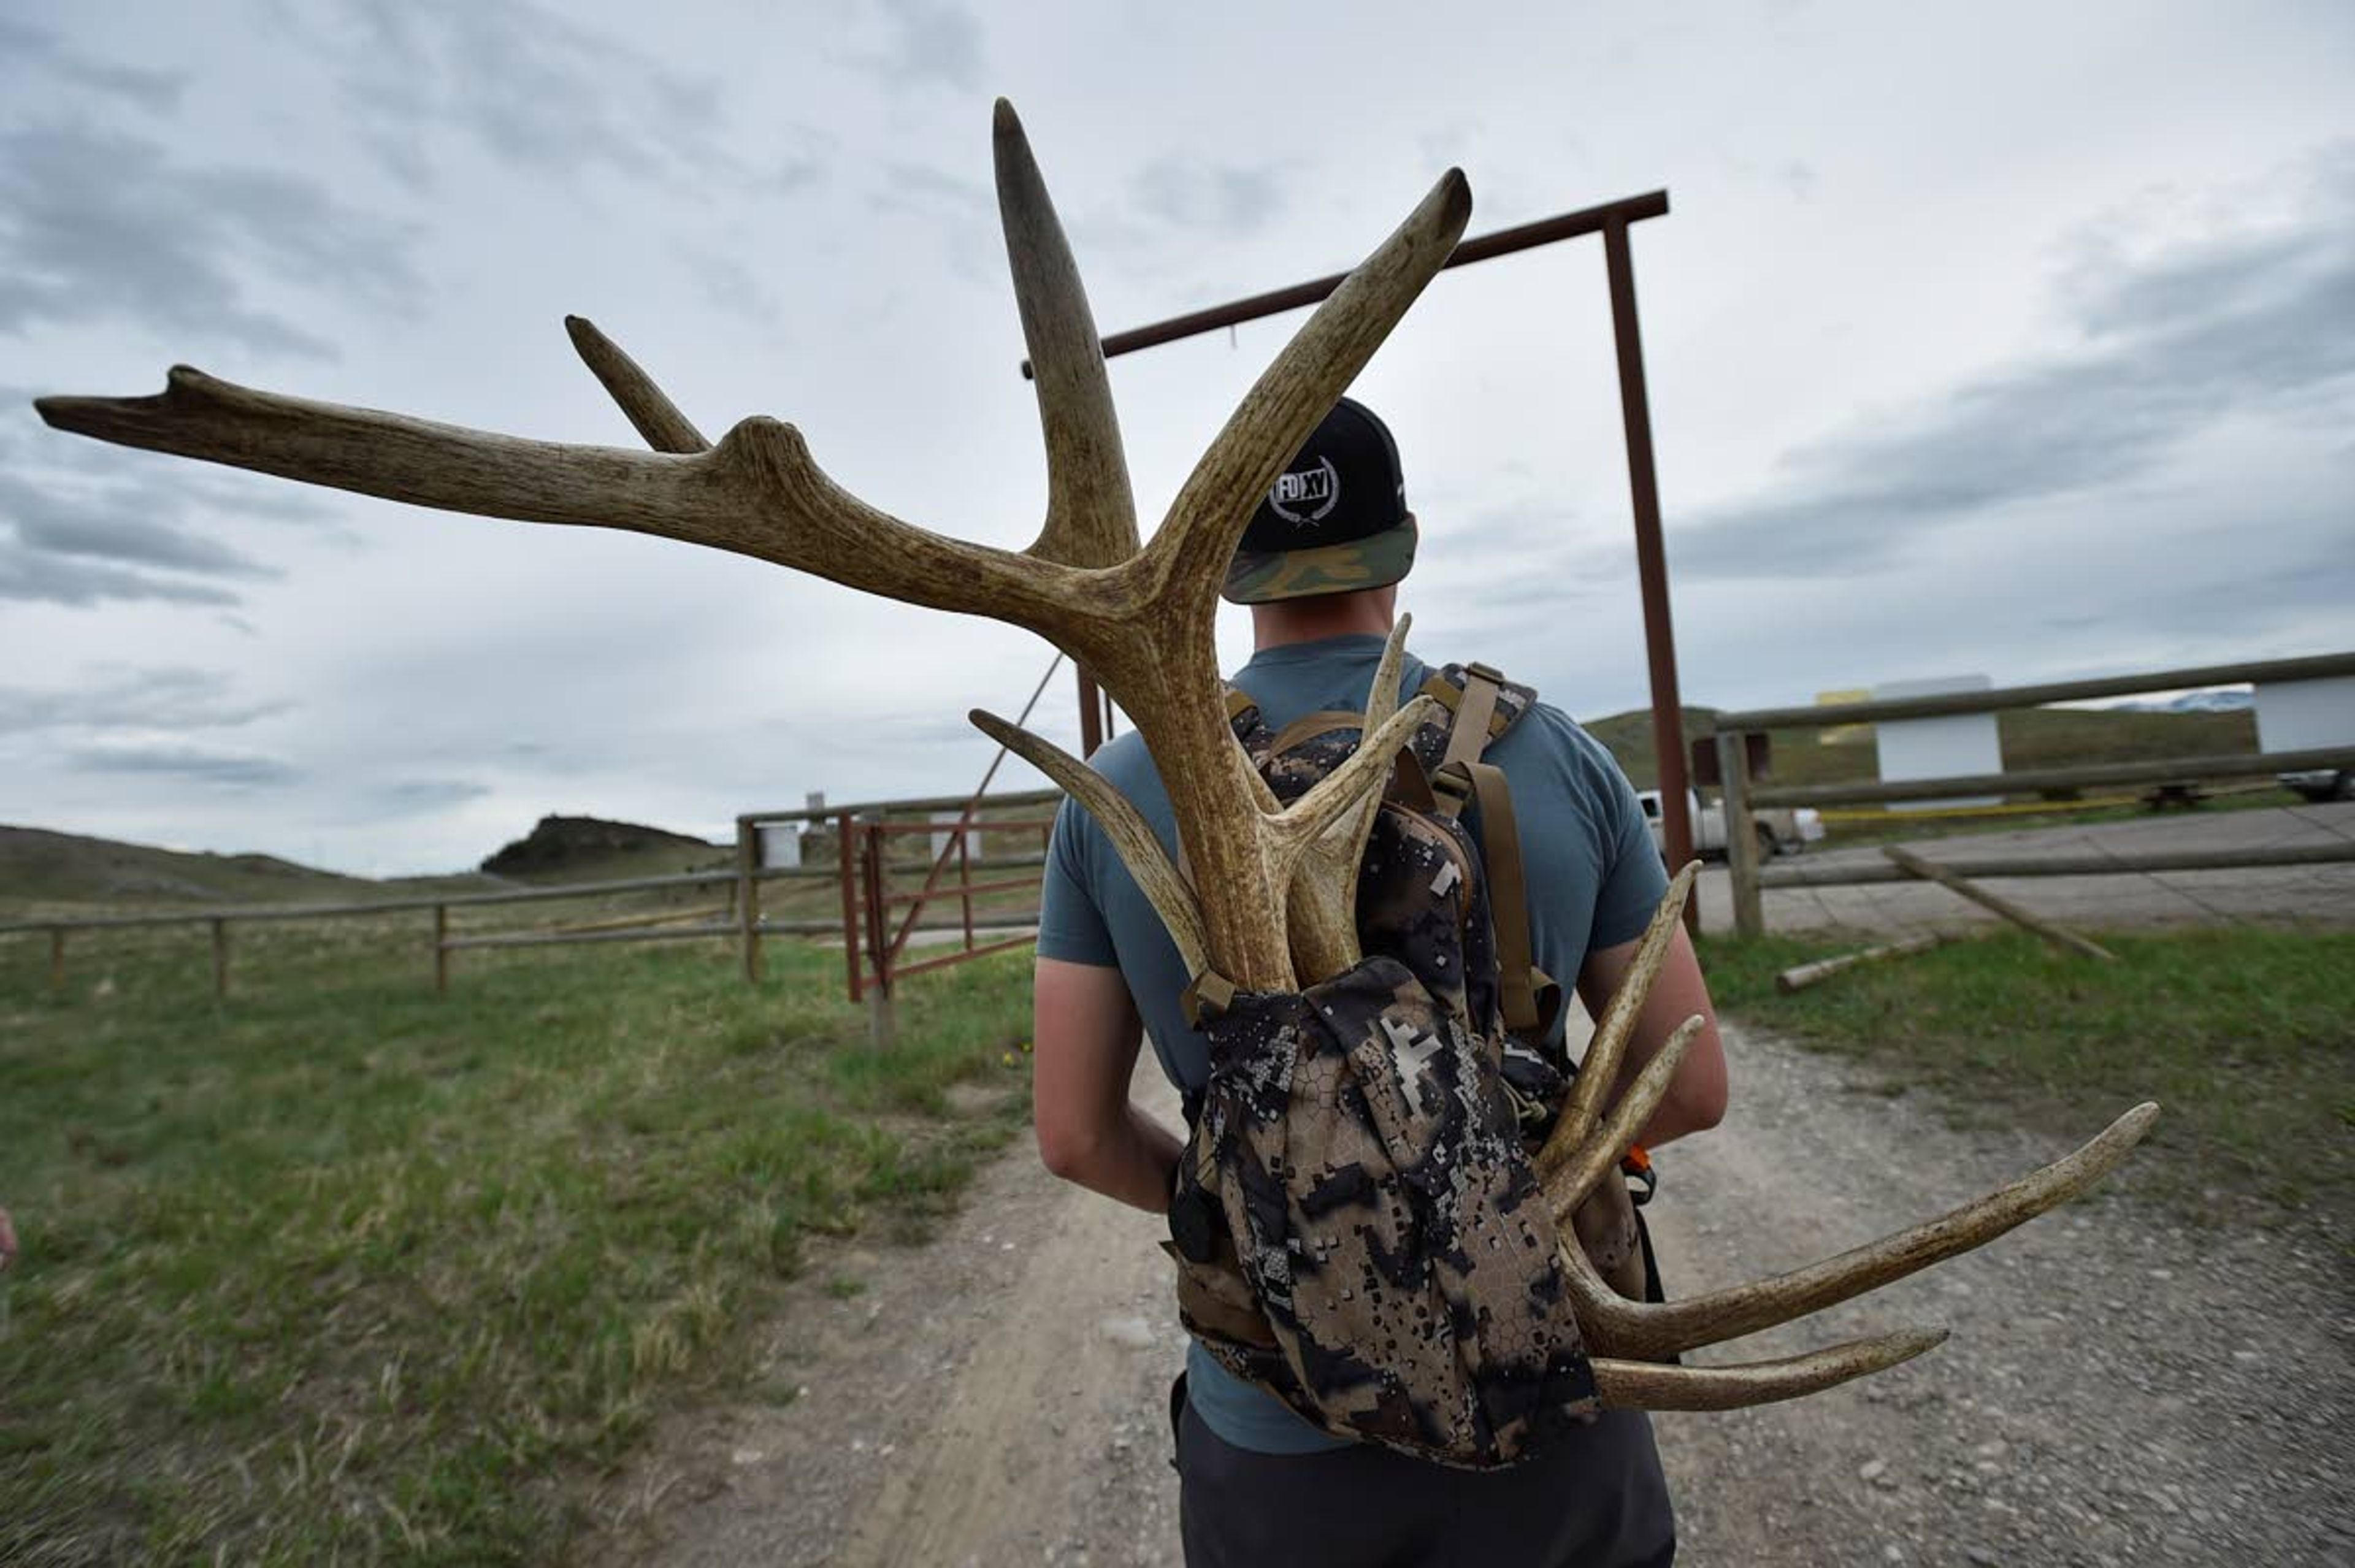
x=338, y=1269
x=2244, y=1035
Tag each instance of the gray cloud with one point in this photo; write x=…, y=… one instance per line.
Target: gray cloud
x=139, y=543
x=187, y=762
x=68, y=543
x=728, y=285
x=51, y=580
x=417, y=796
x=99, y=225
x=26, y=53
x=1229, y=198
x=930, y=40
x=2165, y=348
x=918, y=188
x=170, y=698
x=523, y=81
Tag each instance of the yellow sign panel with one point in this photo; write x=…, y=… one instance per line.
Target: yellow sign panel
x=1844, y=734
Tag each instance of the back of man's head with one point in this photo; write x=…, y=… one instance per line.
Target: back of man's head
x=1335, y=521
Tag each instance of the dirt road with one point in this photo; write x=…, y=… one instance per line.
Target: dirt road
x=2119, y=1390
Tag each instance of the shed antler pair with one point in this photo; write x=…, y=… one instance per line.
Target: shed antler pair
x=1270, y=901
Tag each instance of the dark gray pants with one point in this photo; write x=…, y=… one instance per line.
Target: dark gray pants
x=1594, y=1499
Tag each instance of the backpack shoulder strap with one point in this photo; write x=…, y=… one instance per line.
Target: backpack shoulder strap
x=1483, y=705
x=1478, y=705
x=1529, y=996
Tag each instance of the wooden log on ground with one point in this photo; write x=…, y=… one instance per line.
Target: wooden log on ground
x=2003, y=907
x=1837, y=872
x=1800, y=976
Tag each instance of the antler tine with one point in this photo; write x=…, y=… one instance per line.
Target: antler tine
x=1648, y=1385
x=1321, y=908
x=1138, y=847
x=648, y=407
x=1320, y=904
x=1570, y=1183
x=1167, y=676
x=758, y=493
x=1300, y=387
x=1600, y=1069
x=1091, y=513
x=1652, y=1331
x=1346, y=841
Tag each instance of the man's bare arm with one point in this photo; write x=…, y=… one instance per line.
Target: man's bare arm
x=1084, y=1039
x=1696, y=1099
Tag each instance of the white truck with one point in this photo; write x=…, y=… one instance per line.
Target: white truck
x=1780, y=831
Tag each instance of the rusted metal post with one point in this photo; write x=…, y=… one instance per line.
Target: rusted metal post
x=882, y=1025
x=965, y=885
x=441, y=950
x=221, y=956
x=1741, y=834
x=846, y=853
x=57, y=960
x=748, y=895
x=1091, y=734
x=1651, y=557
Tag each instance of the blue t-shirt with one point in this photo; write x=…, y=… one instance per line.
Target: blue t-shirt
x=1593, y=874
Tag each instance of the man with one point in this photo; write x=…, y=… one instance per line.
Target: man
x=1320, y=566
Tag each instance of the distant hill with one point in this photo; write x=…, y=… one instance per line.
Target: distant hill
x=568, y=849
x=41, y=866
x=2031, y=738
x=45, y=871
x=2222, y=699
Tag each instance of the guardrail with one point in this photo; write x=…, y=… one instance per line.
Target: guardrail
x=1744, y=799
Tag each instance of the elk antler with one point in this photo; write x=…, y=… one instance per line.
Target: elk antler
x=1632, y=1337
x=1272, y=900
x=1141, y=619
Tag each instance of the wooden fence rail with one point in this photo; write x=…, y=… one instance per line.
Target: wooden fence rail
x=1745, y=796
x=743, y=920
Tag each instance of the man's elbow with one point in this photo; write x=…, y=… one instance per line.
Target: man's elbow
x=1703, y=1108
x=1070, y=1153
x=1699, y=1091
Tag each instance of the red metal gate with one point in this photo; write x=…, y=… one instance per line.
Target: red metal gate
x=874, y=944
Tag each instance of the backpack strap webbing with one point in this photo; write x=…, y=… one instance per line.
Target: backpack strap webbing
x=1474, y=711
x=1529, y=997
x=1310, y=725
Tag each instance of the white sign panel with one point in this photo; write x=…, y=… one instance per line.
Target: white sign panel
x=1948, y=747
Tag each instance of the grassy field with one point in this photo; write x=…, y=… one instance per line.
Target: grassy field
x=341, y=1270
x=2245, y=1035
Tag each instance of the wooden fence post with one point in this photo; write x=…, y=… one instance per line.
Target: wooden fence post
x=748, y=895
x=221, y=956
x=57, y=960
x=441, y=950
x=1741, y=833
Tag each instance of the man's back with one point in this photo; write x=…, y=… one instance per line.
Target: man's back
x=1594, y=875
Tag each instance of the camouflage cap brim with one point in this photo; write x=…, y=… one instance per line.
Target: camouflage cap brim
x=1373, y=563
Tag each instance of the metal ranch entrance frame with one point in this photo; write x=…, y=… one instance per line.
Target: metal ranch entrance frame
x=1611, y=220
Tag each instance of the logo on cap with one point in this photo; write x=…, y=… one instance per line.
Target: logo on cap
x=1305, y=498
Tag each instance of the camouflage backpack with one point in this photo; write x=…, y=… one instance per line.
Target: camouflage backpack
x=1357, y=1224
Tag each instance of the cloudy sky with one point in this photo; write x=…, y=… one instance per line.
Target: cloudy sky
x=1993, y=338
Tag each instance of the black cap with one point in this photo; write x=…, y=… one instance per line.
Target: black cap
x=1334, y=521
